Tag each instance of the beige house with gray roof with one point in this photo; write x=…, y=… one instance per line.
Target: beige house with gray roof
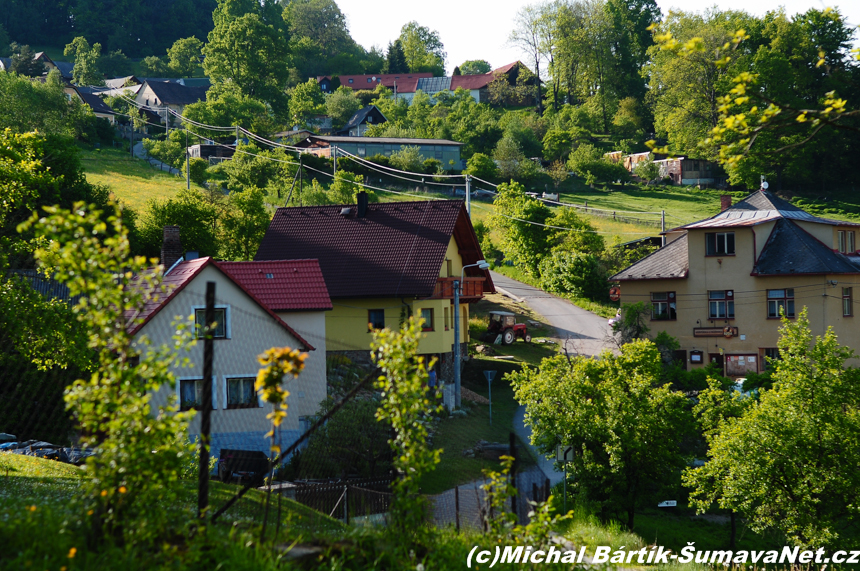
x=720, y=284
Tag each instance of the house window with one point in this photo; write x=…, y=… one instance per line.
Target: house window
x=846, y=242
x=721, y=304
x=220, y=322
x=427, y=316
x=847, y=302
x=362, y=151
x=446, y=319
x=780, y=301
x=449, y=268
x=369, y=80
x=376, y=319
x=241, y=393
x=190, y=394
x=663, y=305
x=350, y=81
x=770, y=354
x=720, y=244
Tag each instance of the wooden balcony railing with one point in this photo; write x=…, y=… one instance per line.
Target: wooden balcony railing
x=472, y=289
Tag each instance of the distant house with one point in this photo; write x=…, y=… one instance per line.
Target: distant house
x=406, y=85
x=680, y=169
x=159, y=96
x=358, y=123
x=211, y=152
x=382, y=262
x=64, y=67
x=258, y=305
x=441, y=149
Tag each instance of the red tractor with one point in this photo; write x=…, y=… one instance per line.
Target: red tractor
x=505, y=324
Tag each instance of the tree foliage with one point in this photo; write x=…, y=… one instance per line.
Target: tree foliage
x=623, y=426
x=183, y=57
x=422, y=49
x=475, y=67
x=86, y=70
x=786, y=461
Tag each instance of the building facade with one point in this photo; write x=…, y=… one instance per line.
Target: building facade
x=721, y=285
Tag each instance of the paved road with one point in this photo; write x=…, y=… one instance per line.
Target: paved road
x=580, y=331
x=140, y=153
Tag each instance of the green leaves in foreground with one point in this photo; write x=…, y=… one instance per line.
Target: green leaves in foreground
x=791, y=460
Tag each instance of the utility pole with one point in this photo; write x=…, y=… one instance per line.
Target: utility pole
x=237, y=135
x=456, y=344
x=301, y=178
x=166, y=121
x=187, y=160
x=663, y=227
x=206, y=404
x=334, y=160
x=468, y=196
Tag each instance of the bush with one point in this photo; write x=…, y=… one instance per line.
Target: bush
x=407, y=159
x=198, y=170
x=481, y=166
x=574, y=273
x=432, y=166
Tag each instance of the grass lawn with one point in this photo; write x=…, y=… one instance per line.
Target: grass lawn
x=131, y=181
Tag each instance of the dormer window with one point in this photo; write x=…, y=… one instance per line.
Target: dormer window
x=720, y=244
x=846, y=241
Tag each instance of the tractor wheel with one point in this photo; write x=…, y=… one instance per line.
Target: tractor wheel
x=527, y=338
x=508, y=337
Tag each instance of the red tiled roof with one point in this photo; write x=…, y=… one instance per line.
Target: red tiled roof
x=282, y=285
x=406, y=82
x=506, y=68
x=396, y=250
x=471, y=81
x=179, y=276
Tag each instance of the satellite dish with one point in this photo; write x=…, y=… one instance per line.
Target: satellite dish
x=764, y=185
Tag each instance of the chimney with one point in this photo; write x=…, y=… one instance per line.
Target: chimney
x=725, y=202
x=362, y=204
x=171, y=248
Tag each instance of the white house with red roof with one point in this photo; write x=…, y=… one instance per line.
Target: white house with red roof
x=258, y=305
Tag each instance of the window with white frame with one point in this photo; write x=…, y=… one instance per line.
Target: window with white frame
x=221, y=329
x=846, y=241
x=721, y=304
x=720, y=243
x=847, y=302
x=663, y=306
x=190, y=394
x=241, y=393
x=780, y=301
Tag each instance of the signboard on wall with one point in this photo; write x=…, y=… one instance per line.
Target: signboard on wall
x=714, y=331
x=741, y=365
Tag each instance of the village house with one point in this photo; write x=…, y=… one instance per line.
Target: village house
x=258, y=305
x=720, y=285
x=361, y=120
x=447, y=152
x=384, y=262
x=159, y=96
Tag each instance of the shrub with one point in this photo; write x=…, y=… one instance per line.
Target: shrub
x=575, y=273
x=481, y=166
x=198, y=170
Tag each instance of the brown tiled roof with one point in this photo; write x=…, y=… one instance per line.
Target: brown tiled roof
x=791, y=250
x=396, y=250
x=669, y=262
x=472, y=81
x=283, y=285
x=179, y=276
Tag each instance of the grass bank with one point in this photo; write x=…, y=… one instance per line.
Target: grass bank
x=131, y=181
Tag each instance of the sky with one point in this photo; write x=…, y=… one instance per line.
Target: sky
x=478, y=29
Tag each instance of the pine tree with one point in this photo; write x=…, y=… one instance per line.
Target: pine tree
x=395, y=59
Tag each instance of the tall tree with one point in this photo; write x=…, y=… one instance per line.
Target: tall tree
x=526, y=35
x=631, y=22
x=86, y=70
x=247, y=54
x=24, y=61
x=184, y=56
x=395, y=59
x=322, y=22
x=423, y=49
x=475, y=67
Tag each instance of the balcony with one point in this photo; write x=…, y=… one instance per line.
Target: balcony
x=472, y=290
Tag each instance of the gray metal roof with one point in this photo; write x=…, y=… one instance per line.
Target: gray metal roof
x=359, y=117
x=757, y=208
x=792, y=250
x=669, y=262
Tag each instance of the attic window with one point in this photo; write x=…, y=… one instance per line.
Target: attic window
x=350, y=81
x=345, y=211
x=270, y=276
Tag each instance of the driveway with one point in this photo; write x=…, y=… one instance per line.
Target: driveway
x=579, y=331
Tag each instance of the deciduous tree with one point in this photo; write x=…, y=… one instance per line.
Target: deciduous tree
x=86, y=70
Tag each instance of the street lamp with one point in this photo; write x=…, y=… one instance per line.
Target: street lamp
x=482, y=264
